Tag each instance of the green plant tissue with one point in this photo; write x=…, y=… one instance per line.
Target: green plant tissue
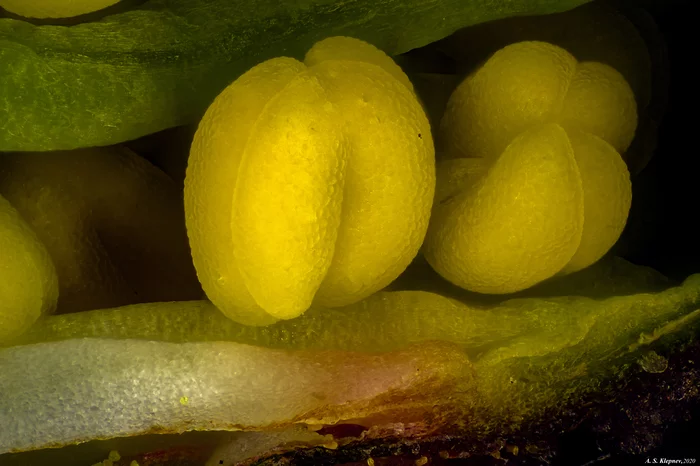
x=501, y=363
x=161, y=64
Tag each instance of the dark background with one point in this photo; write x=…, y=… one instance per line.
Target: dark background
x=663, y=229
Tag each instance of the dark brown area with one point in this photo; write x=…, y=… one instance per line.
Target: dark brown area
x=652, y=416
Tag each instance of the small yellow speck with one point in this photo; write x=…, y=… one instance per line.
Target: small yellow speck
x=114, y=455
x=421, y=461
x=512, y=449
x=184, y=401
x=134, y=463
x=370, y=461
x=444, y=454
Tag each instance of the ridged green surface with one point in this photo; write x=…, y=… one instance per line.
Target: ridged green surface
x=423, y=307
x=386, y=321
x=160, y=65
x=383, y=322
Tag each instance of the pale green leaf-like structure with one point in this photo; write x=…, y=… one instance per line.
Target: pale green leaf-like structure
x=160, y=65
x=393, y=354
